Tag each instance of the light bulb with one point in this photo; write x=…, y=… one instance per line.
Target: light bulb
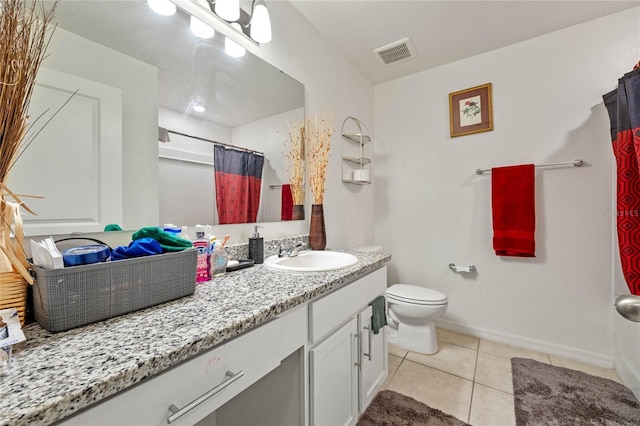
x=232, y=48
x=260, y=23
x=201, y=29
x=162, y=7
x=229, y=10
x=199, y=108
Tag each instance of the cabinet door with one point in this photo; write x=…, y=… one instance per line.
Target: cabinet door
x=334, y=378
x=373, y=358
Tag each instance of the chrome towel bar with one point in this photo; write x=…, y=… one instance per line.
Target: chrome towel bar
x=577, y=163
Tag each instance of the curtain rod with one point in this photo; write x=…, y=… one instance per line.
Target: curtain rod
x=576, y=163
x=216, y=142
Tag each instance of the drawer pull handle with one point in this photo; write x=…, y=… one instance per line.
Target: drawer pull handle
x=368, y=355
x=179, y=412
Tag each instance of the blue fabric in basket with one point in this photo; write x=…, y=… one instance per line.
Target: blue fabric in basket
x=137, y=248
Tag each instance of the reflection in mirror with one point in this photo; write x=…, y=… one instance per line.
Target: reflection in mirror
x=158, y=72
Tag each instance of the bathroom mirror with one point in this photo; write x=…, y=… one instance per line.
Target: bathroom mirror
x=249, y=104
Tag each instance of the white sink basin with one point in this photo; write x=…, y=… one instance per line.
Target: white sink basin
x=312, y=261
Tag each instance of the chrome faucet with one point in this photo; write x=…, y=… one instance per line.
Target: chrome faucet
x=292, y=252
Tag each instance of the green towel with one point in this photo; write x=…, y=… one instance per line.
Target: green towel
x=167, y=241
x=112, y=227
x=379, y=317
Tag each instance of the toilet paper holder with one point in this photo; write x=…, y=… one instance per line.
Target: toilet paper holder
x=470, y=268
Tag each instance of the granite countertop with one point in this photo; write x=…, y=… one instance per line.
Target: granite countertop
x=54, y=375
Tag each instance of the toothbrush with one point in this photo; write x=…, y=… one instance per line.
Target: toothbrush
x=224, y=240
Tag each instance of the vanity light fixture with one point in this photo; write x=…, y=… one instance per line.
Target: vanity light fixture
x=200, y=29
x=229, y=10
x=232, y=48
x=162, y=7
x=256, y=26
x=260, y=29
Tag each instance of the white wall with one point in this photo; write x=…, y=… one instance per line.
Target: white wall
x=432, y=209
x=332, y=86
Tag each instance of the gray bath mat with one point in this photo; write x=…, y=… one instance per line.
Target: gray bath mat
x=390, y=408
x=549, y=395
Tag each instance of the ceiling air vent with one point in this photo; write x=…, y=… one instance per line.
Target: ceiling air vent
x=395, y=52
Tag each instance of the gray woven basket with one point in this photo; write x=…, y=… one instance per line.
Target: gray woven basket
x=80, y=295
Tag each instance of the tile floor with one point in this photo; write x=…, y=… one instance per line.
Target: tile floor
x=469, y=378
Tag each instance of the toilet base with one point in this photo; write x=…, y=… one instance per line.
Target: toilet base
x=420, y=338
x=392, y=335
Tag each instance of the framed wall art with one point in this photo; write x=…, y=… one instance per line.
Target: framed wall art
x=470, y=111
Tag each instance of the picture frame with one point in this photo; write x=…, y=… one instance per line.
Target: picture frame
x=471, y=111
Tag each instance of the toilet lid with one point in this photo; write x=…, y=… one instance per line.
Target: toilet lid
x=415, y=294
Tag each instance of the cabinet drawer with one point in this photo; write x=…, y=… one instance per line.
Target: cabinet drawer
x=328, y=312
x=293, y=330
x=247, y=358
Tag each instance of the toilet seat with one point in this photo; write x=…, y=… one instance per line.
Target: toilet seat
x=416, y=295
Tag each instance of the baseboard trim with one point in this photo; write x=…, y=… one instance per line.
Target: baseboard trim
x=587, y=357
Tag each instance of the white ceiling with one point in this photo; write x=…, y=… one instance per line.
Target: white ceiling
x=441, y=31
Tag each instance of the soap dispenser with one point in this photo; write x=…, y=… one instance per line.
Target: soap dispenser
x=256, y=246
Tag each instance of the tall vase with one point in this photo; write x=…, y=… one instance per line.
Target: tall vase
x=317, y=233
x=298, y=212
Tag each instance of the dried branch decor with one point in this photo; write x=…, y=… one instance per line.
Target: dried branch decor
x=294, y=154
x=318, y=134
x=24, y=37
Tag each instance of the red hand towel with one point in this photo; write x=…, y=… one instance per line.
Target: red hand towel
x=514, y=212
x=286, y=211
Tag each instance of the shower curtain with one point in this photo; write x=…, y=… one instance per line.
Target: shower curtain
x=623, y=106
x=238, y=176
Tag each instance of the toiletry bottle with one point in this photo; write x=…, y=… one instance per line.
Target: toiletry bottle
x=202, y=245
x=256, y=246
x=219, y=259
x=184, y=233
x=171, y=229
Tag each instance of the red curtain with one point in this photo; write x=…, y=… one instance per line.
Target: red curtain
x=623, y=106
x=238, y=176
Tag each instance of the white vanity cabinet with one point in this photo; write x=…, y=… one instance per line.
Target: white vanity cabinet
x=327, y=342
x=373, y=358
x=333, y=376
x=347, y=361
x=192, y=390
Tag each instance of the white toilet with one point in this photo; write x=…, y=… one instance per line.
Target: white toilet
x=412, y=312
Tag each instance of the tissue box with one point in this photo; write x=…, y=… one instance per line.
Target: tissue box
x=79, y=295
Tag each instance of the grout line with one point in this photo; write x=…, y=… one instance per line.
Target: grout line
x=440, y=370
x=473, y=385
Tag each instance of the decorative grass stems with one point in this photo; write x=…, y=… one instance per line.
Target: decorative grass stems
x=318, y=134
x=294, y=153
x=25, y=33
